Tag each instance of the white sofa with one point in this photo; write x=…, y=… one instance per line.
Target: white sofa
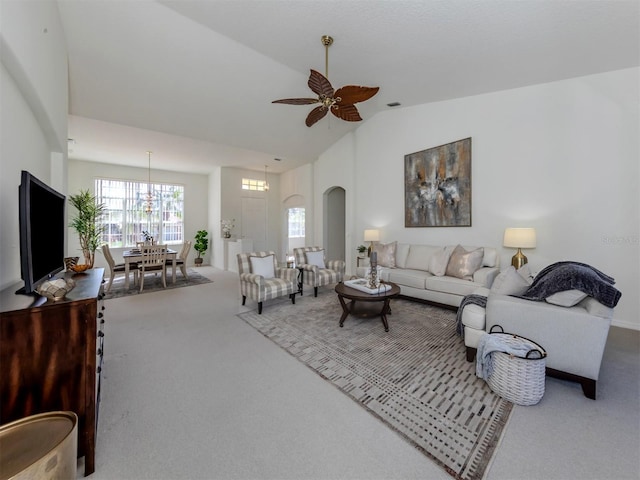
x=413, y=271
x=574, y=337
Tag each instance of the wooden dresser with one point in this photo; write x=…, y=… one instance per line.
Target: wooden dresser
x=51, y=356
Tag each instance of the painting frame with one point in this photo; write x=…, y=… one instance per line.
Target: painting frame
x=437, y=186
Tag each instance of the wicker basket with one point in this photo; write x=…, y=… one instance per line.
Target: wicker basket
x=517, y=379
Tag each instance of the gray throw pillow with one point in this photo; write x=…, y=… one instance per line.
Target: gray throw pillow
x=509, y=282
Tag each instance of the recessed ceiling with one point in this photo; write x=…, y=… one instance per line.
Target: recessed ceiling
x=194, y=80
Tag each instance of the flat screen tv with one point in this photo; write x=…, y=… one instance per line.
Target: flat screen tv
x=42, y=227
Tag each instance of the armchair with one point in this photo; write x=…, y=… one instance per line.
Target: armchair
x=317, y=271
x=262, y=279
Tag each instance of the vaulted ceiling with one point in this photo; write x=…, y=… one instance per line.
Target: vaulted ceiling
x=193, y=80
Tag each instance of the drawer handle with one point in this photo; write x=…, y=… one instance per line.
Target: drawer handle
x=100, y=315
x=101, y=333
x=99, y=352
x=99, y=369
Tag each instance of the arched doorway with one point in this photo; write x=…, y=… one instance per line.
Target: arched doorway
x=334, y=223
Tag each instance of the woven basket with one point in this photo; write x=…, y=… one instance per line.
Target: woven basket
x=519, y=380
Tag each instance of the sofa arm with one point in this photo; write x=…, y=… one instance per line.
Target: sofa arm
x=288, y=274
x=486, y=275
x=251, y=278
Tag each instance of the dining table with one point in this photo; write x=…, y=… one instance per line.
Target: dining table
x=134, y=256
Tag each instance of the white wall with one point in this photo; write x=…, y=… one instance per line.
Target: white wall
x=33, y=115
x=561, y=157
x=196, y=198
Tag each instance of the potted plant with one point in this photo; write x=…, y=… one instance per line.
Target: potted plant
x=85, y=223
x=201, y=245
x=361, y=249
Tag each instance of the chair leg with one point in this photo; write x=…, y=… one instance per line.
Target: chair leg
x=315, y=291
x=141, y=281
x=110, y=282
x=183, y=267
x=259, y=308
x=244, y=299
x=293, y=298
x=471, y=354
x=164, y=277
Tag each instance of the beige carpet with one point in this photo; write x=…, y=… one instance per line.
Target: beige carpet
x=414, y=378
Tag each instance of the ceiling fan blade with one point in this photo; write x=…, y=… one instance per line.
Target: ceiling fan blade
x=316, y=114
x=346, y=112
x=297, y=101
x=350, y=94
x=319, y=84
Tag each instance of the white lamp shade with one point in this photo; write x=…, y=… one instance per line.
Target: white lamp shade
x=371, y=235
x=520, y=237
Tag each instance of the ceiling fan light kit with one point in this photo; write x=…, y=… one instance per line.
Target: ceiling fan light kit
x=340, y=102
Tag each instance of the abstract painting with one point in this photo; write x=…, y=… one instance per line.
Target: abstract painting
x=437, y=186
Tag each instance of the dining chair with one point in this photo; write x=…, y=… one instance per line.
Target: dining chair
x=114, y=268
x=154, y=258
x=181, y=259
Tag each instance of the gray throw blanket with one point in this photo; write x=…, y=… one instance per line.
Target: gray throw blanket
x=562, y=276
x=468, y=300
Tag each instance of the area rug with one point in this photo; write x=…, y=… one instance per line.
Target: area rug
x=415, y=378
x=153, y=283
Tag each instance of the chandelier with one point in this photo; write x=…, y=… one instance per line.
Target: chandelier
x=148, y=205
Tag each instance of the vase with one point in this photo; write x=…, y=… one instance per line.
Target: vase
x=226, y=234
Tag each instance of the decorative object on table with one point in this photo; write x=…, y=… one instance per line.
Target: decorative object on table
x=361, y=249
x=227, y=226
x=513, y=366
x=70, y=262
x=340, y=102
x=519, y=238
x=201, y=245
x=80, y=267
x=56, y=289
x=86, y=223
x=148, y=238
x=372, y=272
x=148, y=201
x=371, y=236
x=437, y=186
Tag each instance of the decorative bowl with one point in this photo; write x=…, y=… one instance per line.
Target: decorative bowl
x=70, y=262
x=80, y=268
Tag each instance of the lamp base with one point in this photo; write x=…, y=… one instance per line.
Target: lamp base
x=370, y=249
x=518, y=260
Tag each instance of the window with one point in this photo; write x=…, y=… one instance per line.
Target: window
x=125, y=219
x=296, y=222
x=250, y=184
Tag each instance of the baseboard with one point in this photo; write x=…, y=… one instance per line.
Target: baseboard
x=625, y=324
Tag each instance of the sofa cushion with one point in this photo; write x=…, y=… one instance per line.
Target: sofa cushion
x=386, y=254
x=463, y=264
x=402, y=251
x=315, y=258
x=567, y=298
x=263, y=266
x=439, y=261
x=408, y=278
x=451, y=285
x=509, y=282
x=419, y=256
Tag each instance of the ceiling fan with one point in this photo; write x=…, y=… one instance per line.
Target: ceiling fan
x=341, y=102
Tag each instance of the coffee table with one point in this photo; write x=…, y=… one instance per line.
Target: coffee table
x=357, y=296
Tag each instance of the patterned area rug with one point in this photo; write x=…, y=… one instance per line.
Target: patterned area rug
x=153, y=283
x=415, y=378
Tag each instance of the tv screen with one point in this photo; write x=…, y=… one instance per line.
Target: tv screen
x=42, y=226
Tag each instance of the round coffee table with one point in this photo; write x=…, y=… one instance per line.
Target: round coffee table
x=355, y=296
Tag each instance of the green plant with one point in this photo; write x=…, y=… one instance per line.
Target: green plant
x=85, y=223
x=361, y=248
x=202, y=242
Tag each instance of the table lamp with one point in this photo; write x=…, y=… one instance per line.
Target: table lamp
x=519, y=238
x=371, y=236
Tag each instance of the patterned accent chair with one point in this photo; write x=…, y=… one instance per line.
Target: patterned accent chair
x=317, y=271
x=262, y=279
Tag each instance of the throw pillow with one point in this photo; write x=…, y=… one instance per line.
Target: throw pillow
x=525, y=272
x=439, y=261
x=263, y=266
x=567, y=298
x=315, y=258
x=463, y=264
x=509, y=282
x=386, y=254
